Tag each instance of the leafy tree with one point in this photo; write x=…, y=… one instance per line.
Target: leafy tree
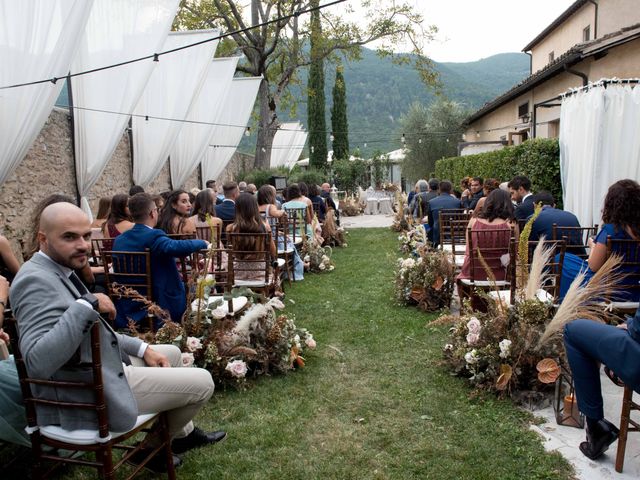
x=349, y=173
x=275, y=51
x=339, y=124
x=315, y=94
x=379, y=168
x=432, y=133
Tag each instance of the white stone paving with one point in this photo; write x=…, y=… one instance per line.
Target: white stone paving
x=366, y=221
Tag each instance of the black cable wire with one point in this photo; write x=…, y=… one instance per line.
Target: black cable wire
x=156, y=56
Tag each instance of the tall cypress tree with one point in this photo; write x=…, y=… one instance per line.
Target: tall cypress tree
x=315, y=92
x=339, y=123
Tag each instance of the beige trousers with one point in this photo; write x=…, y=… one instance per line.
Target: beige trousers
x=180, y=391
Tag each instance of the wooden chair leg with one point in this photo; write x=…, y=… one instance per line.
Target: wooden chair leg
x=624, y=427
x=164, y=433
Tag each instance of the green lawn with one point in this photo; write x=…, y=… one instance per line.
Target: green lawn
x=374, y=401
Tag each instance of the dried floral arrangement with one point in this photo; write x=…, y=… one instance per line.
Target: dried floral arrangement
x=350, y=207
x=401, y=222
x=317, y=256
x=390, y=187
x=412, y=240
x=333, y=235
x=426, y=281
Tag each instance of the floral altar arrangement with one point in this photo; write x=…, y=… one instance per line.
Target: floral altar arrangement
x=426, y=281
x=390, y=187
x=350, y=207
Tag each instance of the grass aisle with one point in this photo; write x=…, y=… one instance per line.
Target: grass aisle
x=373, y=402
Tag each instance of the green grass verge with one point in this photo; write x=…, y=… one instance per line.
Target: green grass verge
x=373, y=402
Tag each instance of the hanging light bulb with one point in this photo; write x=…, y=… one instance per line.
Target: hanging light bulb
x=447, y=140
x=263, y=150
x=365, y=144
x=419, y=140
x=331, y=137
x=312, y=149
x=247, y=132
x=403, y=139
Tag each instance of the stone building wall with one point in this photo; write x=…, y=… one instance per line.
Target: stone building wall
x=48, y=168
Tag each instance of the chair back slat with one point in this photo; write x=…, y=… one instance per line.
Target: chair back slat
x=576, y=238
x=554, y=266
x=129, y=269
x=250, y=259
x=209, y=232
x=493, y=247
x=445, y=217
x=297, y=224
x=629, y=288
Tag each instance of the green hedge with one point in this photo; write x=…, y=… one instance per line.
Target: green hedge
x=538, y=159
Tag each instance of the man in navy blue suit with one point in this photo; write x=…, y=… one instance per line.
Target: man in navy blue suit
x=520, y=187
x=548, y=216
x=227, y=209
x=168, y=288
x=444, y=200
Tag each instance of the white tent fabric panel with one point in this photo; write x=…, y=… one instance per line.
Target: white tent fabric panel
x=298, y=146
x=38, y=40
x=117, y=30
x=282, y=141
x=599, y=145
x=232, y=121
x=171, y=90
x=193, y=140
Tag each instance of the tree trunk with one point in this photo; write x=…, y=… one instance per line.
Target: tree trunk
x=267, y=128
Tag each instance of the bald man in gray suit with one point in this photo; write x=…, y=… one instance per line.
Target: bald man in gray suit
x=55, y=312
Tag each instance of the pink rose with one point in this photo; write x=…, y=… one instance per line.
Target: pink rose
x=218, y=313
x=310, y=342
x=474, y=325
x=237, y=368
x=187, y=359
x=193, y=344
x=473, y=338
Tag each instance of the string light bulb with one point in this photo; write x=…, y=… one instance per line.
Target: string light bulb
x=419, y=140
x=263, y=150
x=247, y=132
x=312, y=149
x=403, y=139
x=331, y=137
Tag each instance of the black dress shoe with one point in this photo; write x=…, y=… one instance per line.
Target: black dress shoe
x=195, y=439
x=157, y=464
x=598, y=441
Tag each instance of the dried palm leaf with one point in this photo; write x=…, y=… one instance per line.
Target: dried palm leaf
x=537, y=275
x=506, y=372
x=585, y=301
x=548, y=370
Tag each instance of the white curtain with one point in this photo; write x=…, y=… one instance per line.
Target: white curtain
x=193, y=140
x=232, y=122
x=294, y=152
x=117, y=30
x=38, y=40
x=282, y=143
x=171, y=90
x=599, y=145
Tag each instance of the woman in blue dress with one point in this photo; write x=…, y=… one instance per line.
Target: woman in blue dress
x=621, y=221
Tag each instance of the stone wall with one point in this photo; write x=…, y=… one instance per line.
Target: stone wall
x=49, y=168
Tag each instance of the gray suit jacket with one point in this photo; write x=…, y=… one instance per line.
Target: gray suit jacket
x=55, y=343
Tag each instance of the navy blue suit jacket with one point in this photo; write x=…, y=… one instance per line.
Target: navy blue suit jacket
x=444, y=200
x=525, y=209
x=543, y=225
x=226, y=210
x=168, y=288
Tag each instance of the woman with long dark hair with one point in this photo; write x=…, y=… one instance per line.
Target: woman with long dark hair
x=621, y=221
x=497, y=220
x=119, y=220
x=104, y=206
x=204, y=212
x=174, y=217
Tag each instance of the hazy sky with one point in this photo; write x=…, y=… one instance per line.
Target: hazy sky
x=473, y=29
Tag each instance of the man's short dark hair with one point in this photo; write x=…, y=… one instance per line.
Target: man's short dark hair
x=228, y=188
x=140, y=205
x=545, y=198
x=480, y=180
x=520, y=181
x=445, y=186
x=210, y=183
x=135, y=189
x=433, y=184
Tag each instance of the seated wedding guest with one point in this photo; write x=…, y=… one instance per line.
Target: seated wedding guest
x=252, y=189
x=319, y=207
x=168, y=287
x=9, y=264
x=212, y=185
x=34, y=245
x=248, y=220
x=54, y=312
x=427, y=192
x=119, y=220
x=304, y=194
x=520, y=187
x=226, y=210
x=325, y=192
x=205, y=206
x=12, y=414
x=498, y=216
x=267, y=208
x=442, y=201
x=621, y=221
x=411, y=194
x=550, y=215
x=490, y=184
x=159, y=201
x=104, y=205
x=589, y=344
x=175, y=216
x=295, y=199
x=242, y=187
x=135, y=189
x=475, y=192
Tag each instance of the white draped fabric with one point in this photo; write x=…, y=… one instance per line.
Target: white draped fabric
x=117, y=30
x=294, y=152
x=231, y=123
x=38, y=40
x=171, y=90
x=282, y=143
x=193, y=140
x=599, y=145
